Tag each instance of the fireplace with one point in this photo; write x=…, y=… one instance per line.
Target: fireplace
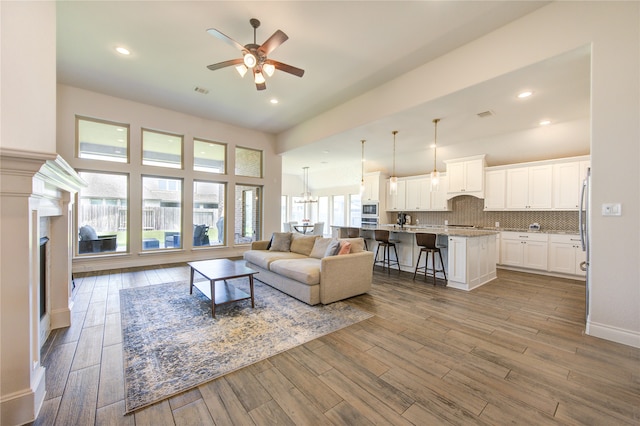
x=44, y=266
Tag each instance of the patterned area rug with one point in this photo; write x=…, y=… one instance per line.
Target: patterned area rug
x=172, y=344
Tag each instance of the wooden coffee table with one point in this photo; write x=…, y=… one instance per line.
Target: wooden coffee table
x=221, y=270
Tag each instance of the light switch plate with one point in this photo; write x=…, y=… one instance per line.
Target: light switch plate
x=612, y=209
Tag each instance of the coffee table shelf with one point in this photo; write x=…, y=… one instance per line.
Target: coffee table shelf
x=218, y=271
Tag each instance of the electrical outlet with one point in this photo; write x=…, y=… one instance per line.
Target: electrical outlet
x=446, y=222
x=497, y=224
x=612, y=209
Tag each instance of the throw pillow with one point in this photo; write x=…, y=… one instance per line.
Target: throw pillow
x=281, y=241
x=320, y=247
x=302, y=244
x=332, y=248
x=345, y=247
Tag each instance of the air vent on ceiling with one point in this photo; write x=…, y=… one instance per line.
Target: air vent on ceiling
x=201, y=90
x=484, y=114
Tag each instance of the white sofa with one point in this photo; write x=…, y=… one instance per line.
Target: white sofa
x=306, y=272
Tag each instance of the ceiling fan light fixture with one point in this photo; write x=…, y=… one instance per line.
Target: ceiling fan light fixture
x=269, y=69
x=242, y=70
x=250, y=60
x=258, y=77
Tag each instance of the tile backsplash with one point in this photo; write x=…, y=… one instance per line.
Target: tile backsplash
x=467, y=210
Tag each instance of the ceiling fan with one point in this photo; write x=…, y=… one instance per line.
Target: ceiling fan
x=254, y=56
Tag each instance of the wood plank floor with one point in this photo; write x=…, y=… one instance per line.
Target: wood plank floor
x=512, y=351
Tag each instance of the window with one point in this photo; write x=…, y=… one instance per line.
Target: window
x=248, y=214
x=102, y=140
x=161, y=149
x=248, y=162
x=338, y=210
x=283, y=208
x=208, y=213
x=297, y=209
x=161, y=212
x=102, y=213
x=355, y=210
x=209, y=156
x=323, y=212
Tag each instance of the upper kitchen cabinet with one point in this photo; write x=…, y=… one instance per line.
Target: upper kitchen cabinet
x=529, y=188
x=495, y=183
x=466, y=176
x=418, y=194
x=397, y=202
x=373, y=182
x=567, y=181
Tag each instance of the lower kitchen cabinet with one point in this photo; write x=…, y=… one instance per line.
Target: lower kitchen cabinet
x=471, y=261
x=524, y=250
x=565, y=254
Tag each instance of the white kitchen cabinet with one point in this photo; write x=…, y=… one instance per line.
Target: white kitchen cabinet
x=565, y=254
x=524, y=250
x=466, y=176
x=529, y=188
x=397, y=202
x=470, y=261
x=495, y=182
x=439, y=196
x=371, y=187
x=418, y=194
x=567, y=181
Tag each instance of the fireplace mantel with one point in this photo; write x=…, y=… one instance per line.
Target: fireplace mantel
x=33, y=186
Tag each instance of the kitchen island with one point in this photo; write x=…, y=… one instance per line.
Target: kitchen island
x=469, y=254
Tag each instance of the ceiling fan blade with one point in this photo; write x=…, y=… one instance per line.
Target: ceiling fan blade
x=225, y=38
x=228, y=63
x=272, y=42
x=286, y=68
x=261, y=86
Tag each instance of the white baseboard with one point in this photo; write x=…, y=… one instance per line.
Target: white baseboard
x=615, y=334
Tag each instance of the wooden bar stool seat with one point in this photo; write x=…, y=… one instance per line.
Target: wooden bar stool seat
x=382, y=238
x=427, y=244
x=355, y=233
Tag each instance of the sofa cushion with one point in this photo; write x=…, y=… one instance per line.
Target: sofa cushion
x=264, y=258
x=320, y=247
x=305, y=270
x=281, y=241
x=302, y=244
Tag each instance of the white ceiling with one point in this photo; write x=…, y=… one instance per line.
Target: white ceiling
x=346, y=49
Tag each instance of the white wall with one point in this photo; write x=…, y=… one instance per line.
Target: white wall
x=72, y=101
x=612, y=30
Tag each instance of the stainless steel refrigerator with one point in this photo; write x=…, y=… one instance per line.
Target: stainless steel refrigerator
x=585, y=234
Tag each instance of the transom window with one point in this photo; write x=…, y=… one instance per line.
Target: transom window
x=248, y=162
x=161, y=149
x=209, y=156
x=102, y=140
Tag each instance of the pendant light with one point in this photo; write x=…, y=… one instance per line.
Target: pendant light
x=306, y=194
x=393, y=181
x=362, y=170
x=435, y=176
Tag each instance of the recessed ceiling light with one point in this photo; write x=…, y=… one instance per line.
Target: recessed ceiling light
x=274, y=101
x=523, y=95
x=545, y=122
x=122, y=50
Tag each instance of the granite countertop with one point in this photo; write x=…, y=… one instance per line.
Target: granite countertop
x=458, y=231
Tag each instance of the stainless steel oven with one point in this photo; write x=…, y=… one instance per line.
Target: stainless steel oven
x=370, y=209
x=369, y=222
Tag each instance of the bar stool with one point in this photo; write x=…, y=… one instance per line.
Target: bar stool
x=355, y=233
x=427, y=244
x=382, y=238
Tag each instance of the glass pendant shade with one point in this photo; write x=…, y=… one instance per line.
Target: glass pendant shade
x=393, y=181
x=393, y=185
x=435, y=176
x=435, y=179
x=362, y=169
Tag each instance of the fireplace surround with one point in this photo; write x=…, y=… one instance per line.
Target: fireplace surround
x=37, y=192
